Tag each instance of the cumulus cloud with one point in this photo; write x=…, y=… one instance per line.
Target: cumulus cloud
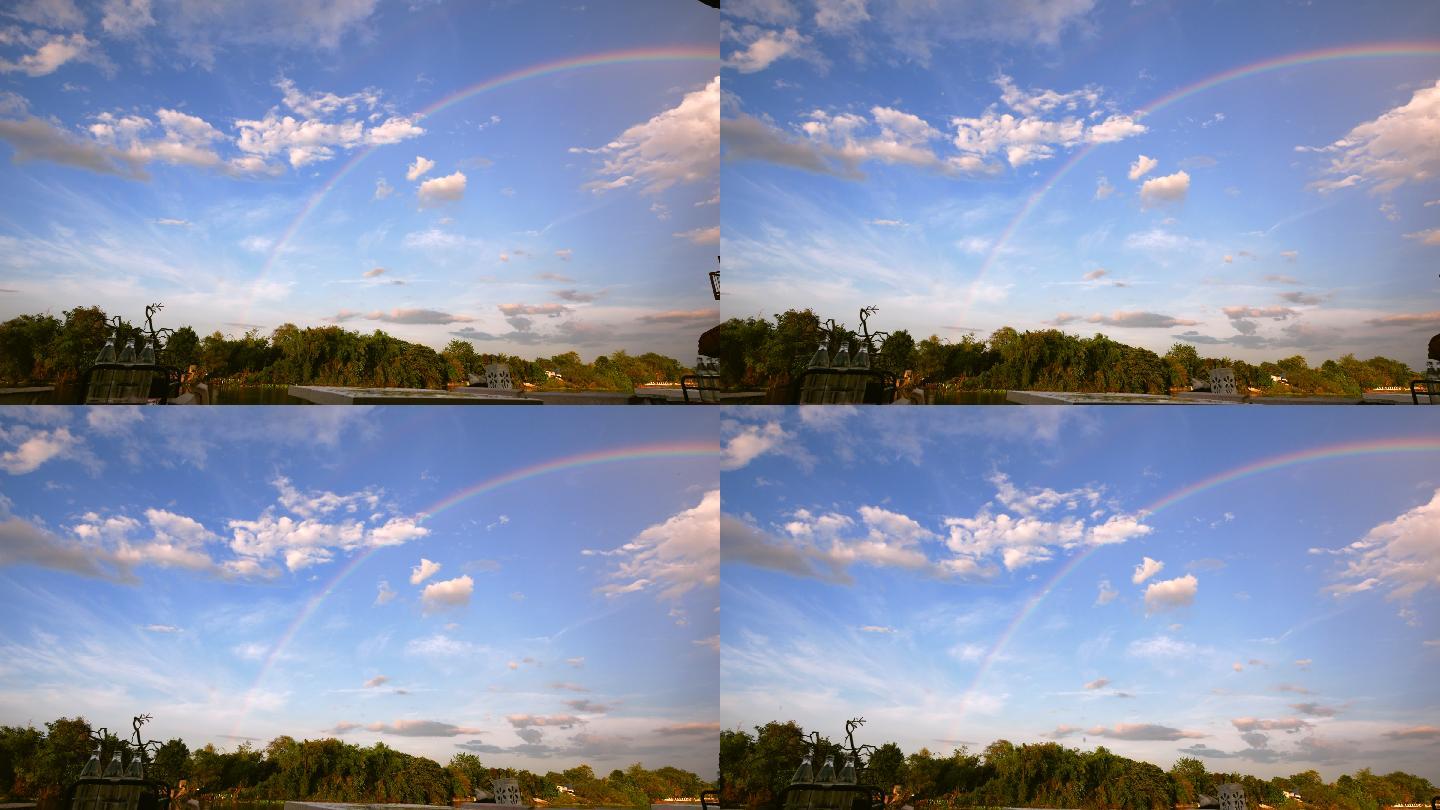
x=1389, y=151
x=1142, y=166
x=1430, y=236
x=1146, y=569
x=1290, y=725
x=440, y=190
x=743, y=443
x=760, y=47
x=670, y=558
x=1107, y=593
x=383, y=189
x=447, y=594
x=408, y=728
x=38, y=139
x=1130, y=731
x=419, y=167
x=50, y=54
x=679, y=145
x=702, y=236
x=423, y=571
x=34, y=449
x=1167, y=189
x=1139, y=320
x=1400, y=557
x=1170, y=594
x=386, y=593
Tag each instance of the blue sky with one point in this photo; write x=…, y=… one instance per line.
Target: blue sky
x=873, y=561
x=881, y=153
x=177, y=150
x=154, y=562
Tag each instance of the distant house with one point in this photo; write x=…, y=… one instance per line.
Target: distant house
x=1296, y=796
x=553, y=375
x=563, y=788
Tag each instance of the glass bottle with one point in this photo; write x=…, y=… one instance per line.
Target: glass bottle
x=92, y=765
x=862, y=357
x=127, y=354
x=827, y=771
x=147, y=355
x=842, y=357
x=821, y=358
x=803, y=774
x=136, y=769
x=847, y=773
x=116, y=767
x=107, y=355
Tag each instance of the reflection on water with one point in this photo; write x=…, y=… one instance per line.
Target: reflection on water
x=219, y=395
x=221, y=804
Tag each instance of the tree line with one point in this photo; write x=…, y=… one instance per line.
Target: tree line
x=759, y=353
x=38, y=765
x=46, y=349
x=755, y=768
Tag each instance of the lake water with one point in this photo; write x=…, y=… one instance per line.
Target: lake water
x=220, y=395
x=224, y=805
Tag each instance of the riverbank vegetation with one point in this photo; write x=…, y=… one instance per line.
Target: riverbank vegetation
x=37, y=765
x=46, y=349
x=769, y=354
x=754, y=768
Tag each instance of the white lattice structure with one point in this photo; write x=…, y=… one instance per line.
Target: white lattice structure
x=1232, y=797
x=497, y=375
x=1222, y=381
x=507, y=791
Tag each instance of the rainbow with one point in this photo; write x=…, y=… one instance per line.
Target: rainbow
x=669, y=53
x=644, y=452
x=1347, y=52
x=1418, y=444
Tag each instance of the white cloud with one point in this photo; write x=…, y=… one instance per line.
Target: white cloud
x=1395, y=148
x=419, y=167
x=680, y=145
x=125, y=18
x=836, y=16
x=673, y=557
x=1430, y=236
x=49, y=55
x=440, y=190
x=386, y=593
x=762, y=48
x=745, y=443
x=63, y=14
x=1170, y=188
x=1401, y=555
x=702, y=236
x=1142, y=166
x=447, y=594
x=378, y=680
x=1146, y=569
x=383, y=189
x=1170, y=594
x=1103, y=189
x=34, y=449
x=1098, y=683
x=423, y=571
x=1107, y=593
